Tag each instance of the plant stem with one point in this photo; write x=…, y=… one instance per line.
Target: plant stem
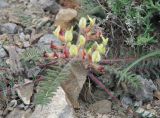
x=93, y=78
x=110, y=61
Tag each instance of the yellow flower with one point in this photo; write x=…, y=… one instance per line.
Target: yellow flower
x=57, y=31
x=92, y=21
x=96, y=57
x=82, y=40
x=68, y=35
x=101, y=48
x=105, y=40
x=73, y=50
x=82, y=23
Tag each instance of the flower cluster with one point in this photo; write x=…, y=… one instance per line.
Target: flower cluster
x=86, y=34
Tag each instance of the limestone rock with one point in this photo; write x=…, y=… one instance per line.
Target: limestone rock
x=57, y=108
x=48, y=38
x=9, y=28
x=25, y=93
x=74, y=84
x=64, y=17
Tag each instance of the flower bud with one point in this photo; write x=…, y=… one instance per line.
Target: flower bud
x=105, y=40
x=96, y=57
x=82, y=23
x=57, y=31
x=73, y=50
x=69, y=35
x=101, y=48
x=82, y=40
x=92, y=21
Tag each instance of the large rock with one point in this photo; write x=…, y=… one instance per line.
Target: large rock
x=74, y=83
x=9, y=28
x=145, y=92
x=102, y=107
x=64, y=17
x=57, y=108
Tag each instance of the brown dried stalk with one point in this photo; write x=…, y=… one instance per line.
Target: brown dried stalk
x=95, y=79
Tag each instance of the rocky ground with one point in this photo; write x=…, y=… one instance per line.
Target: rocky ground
x=28, y=23
x=24, y=24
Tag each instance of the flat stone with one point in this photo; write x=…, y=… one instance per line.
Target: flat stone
x=48, y=38
x=102, y=107
x=66, y=15
x=25, y=92
x=9, y=28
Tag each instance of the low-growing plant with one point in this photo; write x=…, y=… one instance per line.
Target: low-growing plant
x=88, y=48
x=82, y=49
